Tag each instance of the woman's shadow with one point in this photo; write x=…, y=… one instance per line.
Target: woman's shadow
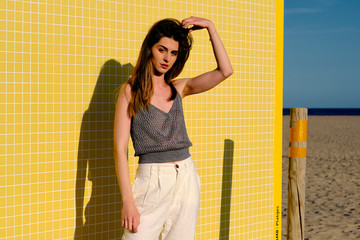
x=102, y=217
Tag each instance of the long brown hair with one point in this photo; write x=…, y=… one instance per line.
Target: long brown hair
x=141, y=83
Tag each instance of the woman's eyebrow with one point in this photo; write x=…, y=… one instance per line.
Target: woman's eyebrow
x=163, y=46
x=167, y=48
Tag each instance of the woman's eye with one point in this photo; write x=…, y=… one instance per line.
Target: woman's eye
x=161, y=50
x=174, y=53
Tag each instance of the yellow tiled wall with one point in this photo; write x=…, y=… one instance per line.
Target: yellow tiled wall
x=61, y=63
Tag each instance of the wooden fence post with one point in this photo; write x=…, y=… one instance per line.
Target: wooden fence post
x=296, y=177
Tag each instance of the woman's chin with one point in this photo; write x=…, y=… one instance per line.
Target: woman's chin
x=160, y=72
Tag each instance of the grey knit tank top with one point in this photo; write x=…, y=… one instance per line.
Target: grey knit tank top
x=160, y=137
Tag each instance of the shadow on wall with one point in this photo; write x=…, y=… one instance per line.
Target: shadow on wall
x=102, y=217
x=226, y=189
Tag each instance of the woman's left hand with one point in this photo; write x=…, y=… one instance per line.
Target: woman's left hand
x=198, y=23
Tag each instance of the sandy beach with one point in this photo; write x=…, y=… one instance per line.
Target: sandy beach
x=332, y=178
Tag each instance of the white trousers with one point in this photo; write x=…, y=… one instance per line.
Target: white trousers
x=167, y=197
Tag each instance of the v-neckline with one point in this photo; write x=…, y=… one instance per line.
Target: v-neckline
x=170, y=107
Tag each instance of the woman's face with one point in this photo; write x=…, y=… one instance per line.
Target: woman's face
x=164, y=55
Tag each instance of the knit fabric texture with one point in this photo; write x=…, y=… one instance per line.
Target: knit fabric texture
x=159, y=136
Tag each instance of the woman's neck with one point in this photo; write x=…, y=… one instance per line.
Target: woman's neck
x=159, y=81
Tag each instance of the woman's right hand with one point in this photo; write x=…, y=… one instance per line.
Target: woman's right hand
x=130, y=217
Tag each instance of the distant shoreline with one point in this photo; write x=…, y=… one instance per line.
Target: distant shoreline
x=328, y=111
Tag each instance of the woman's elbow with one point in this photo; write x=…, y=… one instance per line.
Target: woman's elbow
x=228, y=72
x=119, y=152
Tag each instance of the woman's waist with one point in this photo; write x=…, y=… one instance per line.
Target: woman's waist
x=146, y=169
x=169, y=156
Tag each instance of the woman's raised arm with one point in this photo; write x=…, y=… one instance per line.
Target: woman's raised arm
x=208, y=80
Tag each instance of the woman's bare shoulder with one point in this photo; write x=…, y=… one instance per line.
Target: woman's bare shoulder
x=125, y=92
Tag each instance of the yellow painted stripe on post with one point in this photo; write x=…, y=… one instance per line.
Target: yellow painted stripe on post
x=299, y=132
x=298, y=152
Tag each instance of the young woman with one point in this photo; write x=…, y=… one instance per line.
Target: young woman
x=164, y=199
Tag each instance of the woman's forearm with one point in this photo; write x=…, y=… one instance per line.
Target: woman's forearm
x=222, y=58
x=123, y=176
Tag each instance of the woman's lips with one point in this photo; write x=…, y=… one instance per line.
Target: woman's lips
x=164, y=65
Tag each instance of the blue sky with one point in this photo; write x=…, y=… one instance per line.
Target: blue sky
x=322, y=53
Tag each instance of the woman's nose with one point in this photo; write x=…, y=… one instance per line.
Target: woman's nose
x=166, y=57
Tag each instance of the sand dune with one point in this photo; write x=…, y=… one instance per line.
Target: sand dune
x=332, y=178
